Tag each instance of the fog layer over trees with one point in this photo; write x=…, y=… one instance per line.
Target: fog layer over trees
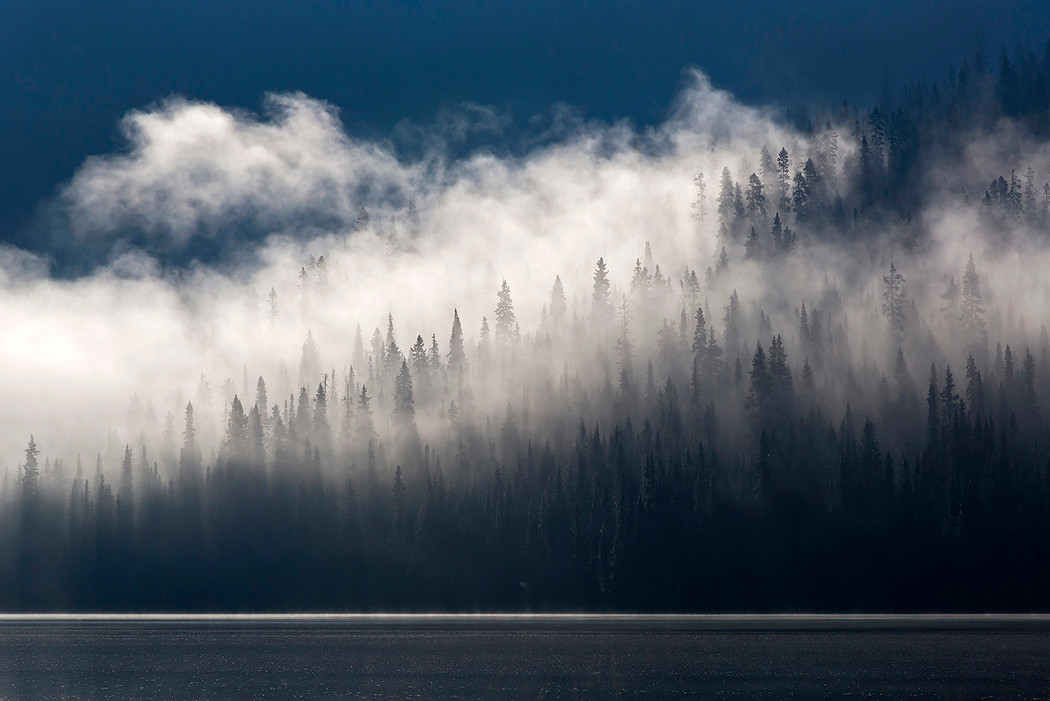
x=726, y=364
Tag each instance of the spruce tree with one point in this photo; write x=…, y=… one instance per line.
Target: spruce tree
x=457, y=357
x=600, y=297
x=894, y=304
x=971, y=312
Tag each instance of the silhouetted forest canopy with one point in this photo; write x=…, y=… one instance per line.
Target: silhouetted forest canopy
x=683, y=437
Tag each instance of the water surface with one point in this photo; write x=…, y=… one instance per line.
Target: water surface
x=524, y=657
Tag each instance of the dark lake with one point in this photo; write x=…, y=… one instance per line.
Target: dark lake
x=525, y=657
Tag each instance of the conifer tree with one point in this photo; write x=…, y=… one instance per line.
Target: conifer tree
x=974, y=388
x=829, y=151
x=800, y=197
x=189, y=455
x=894, y=304
x=760, y=392
x=726, y=204
x=753, y=246
x=756, y=200
x=322, y=431
x=31, y=471
x=457, y=357
x=700, y=203
x=600, y=297
x=364, y=428
x=971, y=312
x=506, y=324
x=236, y=429
x=783, y=181
x=557, y=305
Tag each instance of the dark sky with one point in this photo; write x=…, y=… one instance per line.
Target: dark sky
x=69, y=69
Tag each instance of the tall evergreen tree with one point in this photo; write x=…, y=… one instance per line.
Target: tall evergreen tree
x=783, y=181
x=457, y=357
x=756, y=200
x=971, y=312
x=506, y=324
x=600, y=298
x=700, y=203
x=726, y=204
x=894, y=304
x=31, y=471
x=557, y=305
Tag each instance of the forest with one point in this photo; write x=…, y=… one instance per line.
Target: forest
x=826, y=406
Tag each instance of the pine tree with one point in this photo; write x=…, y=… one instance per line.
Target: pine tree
x=767, y=170
x=236, y=429
x=731, y=324
x=756, y=200
x=457, y=357
x=780, y=375
x=322, y=431
x=256, y=437
x=949, y=399
x=398, y=511
x=420, y=359
x=800, y=197
x=808, y=383
x=783, y=181
x=435, y=355
x=828, y=154
x=260, y=395
x=624, y=346
x=700, y=203
x=894, y=304
x=1014, y=199
x=974, y=387
x=1008, y=369
x=1030, y=211
x=760, y=392
x=365, y=432
x=699, y=347
x=189, y=455
x=971, y=313
x=405, y=409
x=803, y=328
x=557, y=305
x=600, y=301
x=125, y=496
x=392, y=356
x=878, y=141
x=726, y=203
x=933, y=422
x=31, y=472
x=777, y=234
x=723, y=261
x=753, y=246
x=867, y=174
x=1029, y=400
x=506, y=325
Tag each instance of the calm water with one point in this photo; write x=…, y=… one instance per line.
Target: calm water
x=468, y=657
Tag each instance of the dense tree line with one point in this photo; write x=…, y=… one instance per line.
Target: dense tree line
x=676, y=441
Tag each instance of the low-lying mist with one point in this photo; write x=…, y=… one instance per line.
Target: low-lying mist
x=361, y=237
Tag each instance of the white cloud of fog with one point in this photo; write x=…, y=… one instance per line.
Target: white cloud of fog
x=75, y=352
x=193, y=166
